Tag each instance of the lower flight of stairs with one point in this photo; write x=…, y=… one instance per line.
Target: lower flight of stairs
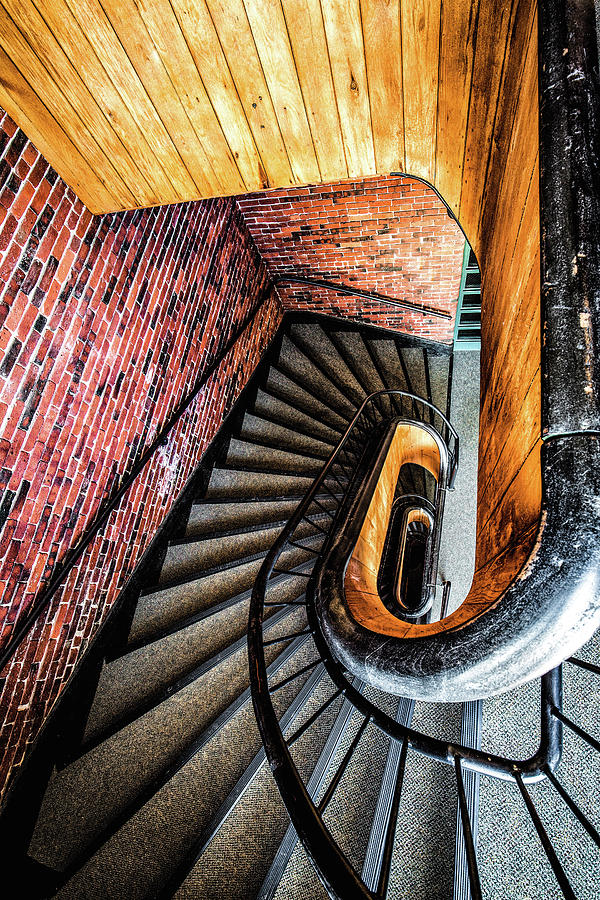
x=162, y=789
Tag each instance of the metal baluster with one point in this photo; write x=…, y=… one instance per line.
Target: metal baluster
x=545, y=840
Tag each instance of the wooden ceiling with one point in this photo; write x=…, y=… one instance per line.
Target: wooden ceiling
x=141, y=102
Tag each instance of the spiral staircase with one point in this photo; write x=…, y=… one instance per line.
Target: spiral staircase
x=151, y=779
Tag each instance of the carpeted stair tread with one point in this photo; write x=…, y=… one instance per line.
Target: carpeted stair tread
x=354, y=349
x=190, y=559
x=413, y=360
x=261, y=431
x=212, y=518
x=230, y=484
x=308, y=370
x=135, y=679
x=438, y=373
x=258, y=458
x=313, y=339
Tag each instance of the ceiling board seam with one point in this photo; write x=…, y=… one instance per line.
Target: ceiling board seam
x=83, y=126
x=269, y=92
x=364, y=54
x=402, y=73
x=216, y=115
x=141, y=86
x=514, y=118
x=75, y=149
x=209, y=162
x=337, y=108
x=312, y=139
x=437, y=103
x=237, y=93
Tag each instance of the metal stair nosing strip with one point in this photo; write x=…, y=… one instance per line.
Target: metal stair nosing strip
x=470, y=736
x=166, y=775
x=374, y=857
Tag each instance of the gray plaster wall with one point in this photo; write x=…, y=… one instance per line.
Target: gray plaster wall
x=457, y=548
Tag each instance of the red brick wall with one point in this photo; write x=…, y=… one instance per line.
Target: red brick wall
x=105, y=324
x=389, y=235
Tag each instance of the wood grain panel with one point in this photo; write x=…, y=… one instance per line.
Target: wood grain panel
x=457, y=46
x=493, y=29
x=120, y=73
x=17, y=95
x=304, y=21
x=235, y=36
x=347, y=55
x=203, y=41
x=272, y=42
x=146, y=59
x=420, y=63
x=73, y=39
x=82, y=122
x=166, y=36
x=383, y=54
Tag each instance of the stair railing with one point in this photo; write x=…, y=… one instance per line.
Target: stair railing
x=322, y=508
x=29, y=617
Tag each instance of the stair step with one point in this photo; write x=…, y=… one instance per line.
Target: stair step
x=276, y=409
x=281, y=385
x=231, y=484
x=353, y=349
x=246, y=456
x=413, y=360
x=306, y=369
x=188, y=559
x=248, y=850
x=141, y=760
x=145, y=629
x=260, y=431
x=438, y=368
x=313, y=339
x=210, y=518
x=384, y=351
x=138, y=860
x=123, y=695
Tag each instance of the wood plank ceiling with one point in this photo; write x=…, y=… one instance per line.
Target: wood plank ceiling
x=140, y=102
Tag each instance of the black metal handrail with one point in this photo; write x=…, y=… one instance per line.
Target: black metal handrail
x=42, y=600
x=338, y=477
x=364, y=295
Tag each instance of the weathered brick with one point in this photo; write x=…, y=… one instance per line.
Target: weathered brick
x=87, y=303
